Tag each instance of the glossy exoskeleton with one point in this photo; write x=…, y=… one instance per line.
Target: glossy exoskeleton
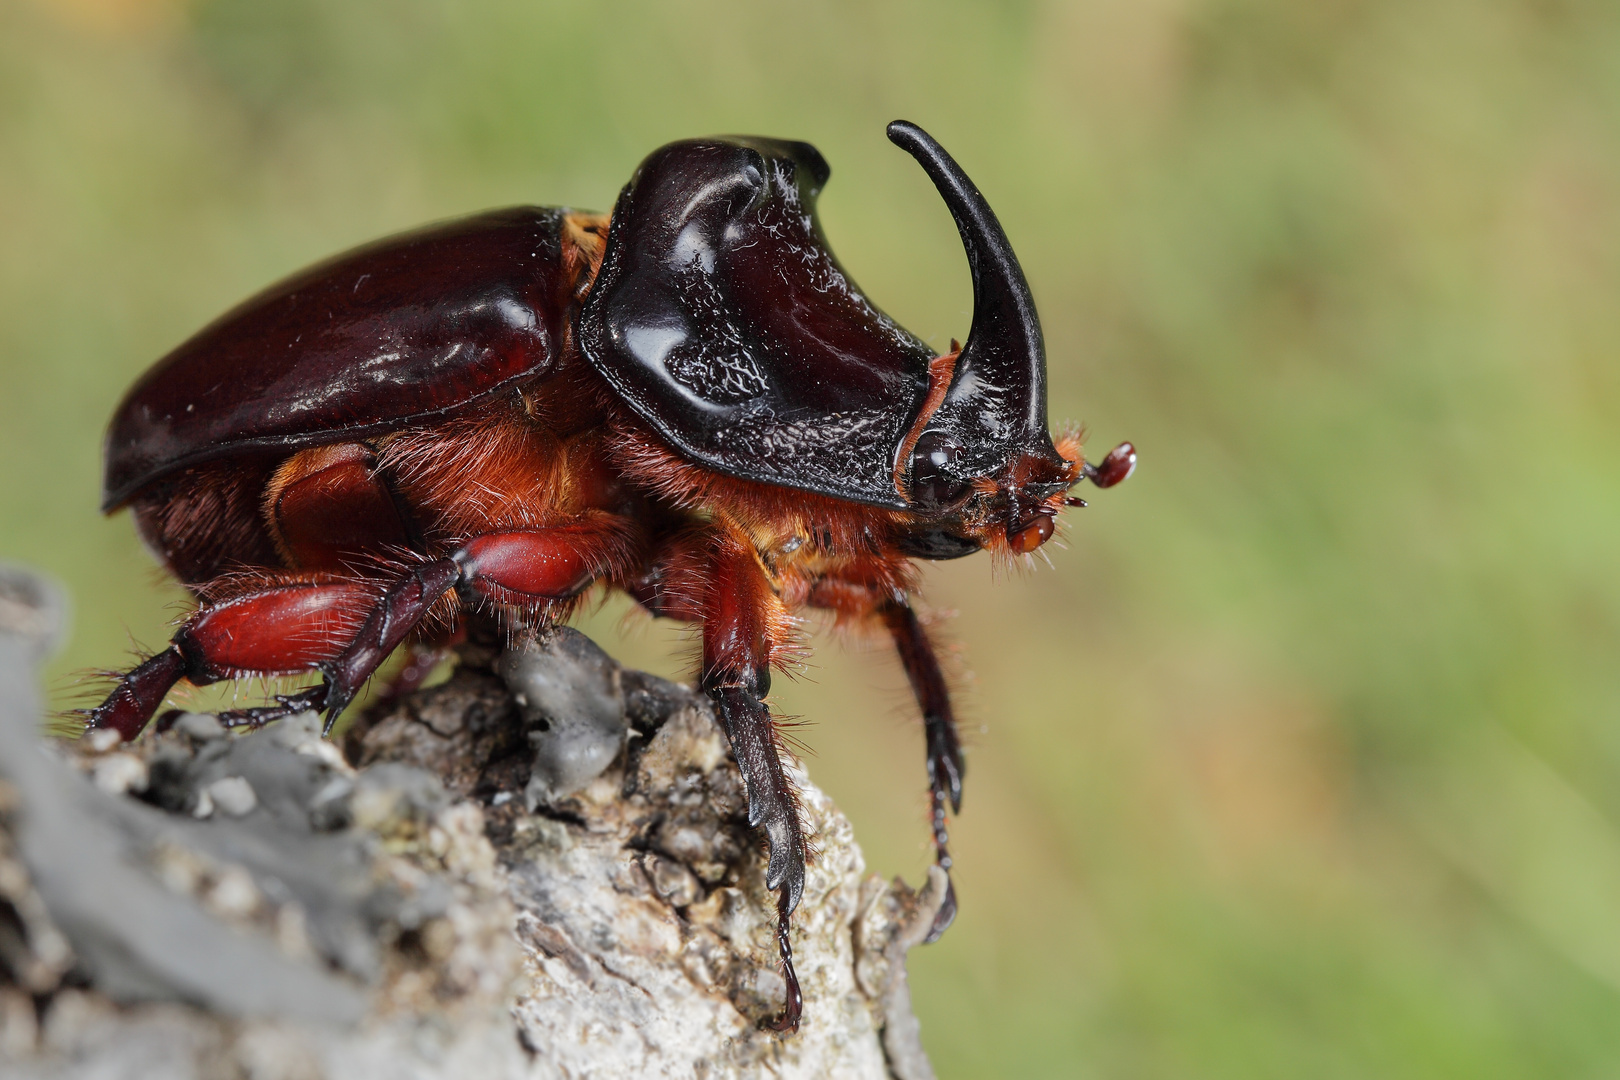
x=687, y=400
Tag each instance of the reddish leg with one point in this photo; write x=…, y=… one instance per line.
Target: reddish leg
x=345, y=629
x=670, y=584
x=939, y=728
x=279, y=628
x=138, y=695
x=388, y=624
x=742, y=628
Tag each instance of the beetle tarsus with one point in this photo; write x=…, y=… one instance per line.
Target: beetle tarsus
x=793, y=1003
x=942, y=857
x=311, y=700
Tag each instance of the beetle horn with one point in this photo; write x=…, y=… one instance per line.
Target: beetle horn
x=995, y=408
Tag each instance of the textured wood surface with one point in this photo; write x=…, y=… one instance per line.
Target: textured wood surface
x=459, y=892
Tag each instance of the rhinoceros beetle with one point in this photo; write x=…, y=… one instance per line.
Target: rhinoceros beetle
x=687, y=400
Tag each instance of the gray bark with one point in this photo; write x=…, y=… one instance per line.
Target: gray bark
x=539, y=868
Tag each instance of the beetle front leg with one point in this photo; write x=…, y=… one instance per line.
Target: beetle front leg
x=741, y=630
x=939, y=728
x=771, y=805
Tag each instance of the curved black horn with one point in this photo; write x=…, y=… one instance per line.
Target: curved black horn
x=996, y=405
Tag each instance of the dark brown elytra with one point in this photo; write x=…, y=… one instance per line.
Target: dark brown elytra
x=686, y=400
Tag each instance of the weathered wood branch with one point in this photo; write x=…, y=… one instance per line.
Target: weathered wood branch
x=539, y=868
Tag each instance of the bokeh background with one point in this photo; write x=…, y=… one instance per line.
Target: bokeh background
x=1304, y=758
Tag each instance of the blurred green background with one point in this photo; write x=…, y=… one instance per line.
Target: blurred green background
x=1305, y=758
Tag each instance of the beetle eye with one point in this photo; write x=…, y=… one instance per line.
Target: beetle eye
x=1030, y=535
x=933, y=487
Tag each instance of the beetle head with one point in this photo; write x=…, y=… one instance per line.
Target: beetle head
x=721, y=320
x=985, y=462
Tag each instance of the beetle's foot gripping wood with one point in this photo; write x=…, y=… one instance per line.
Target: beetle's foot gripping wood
x=772, y=806
x=944, y=747
x=942, y=858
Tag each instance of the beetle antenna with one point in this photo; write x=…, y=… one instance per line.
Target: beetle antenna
x=1115, y=468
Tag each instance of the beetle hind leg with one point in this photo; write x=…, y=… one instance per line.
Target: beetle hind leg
x=346, y=627
x=137, y=695
x=283, y=625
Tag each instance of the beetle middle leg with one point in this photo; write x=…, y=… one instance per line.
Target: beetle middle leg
x=744, y=625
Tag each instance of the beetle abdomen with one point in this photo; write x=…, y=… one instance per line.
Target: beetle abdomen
x=205, y=520
x=406, y=329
